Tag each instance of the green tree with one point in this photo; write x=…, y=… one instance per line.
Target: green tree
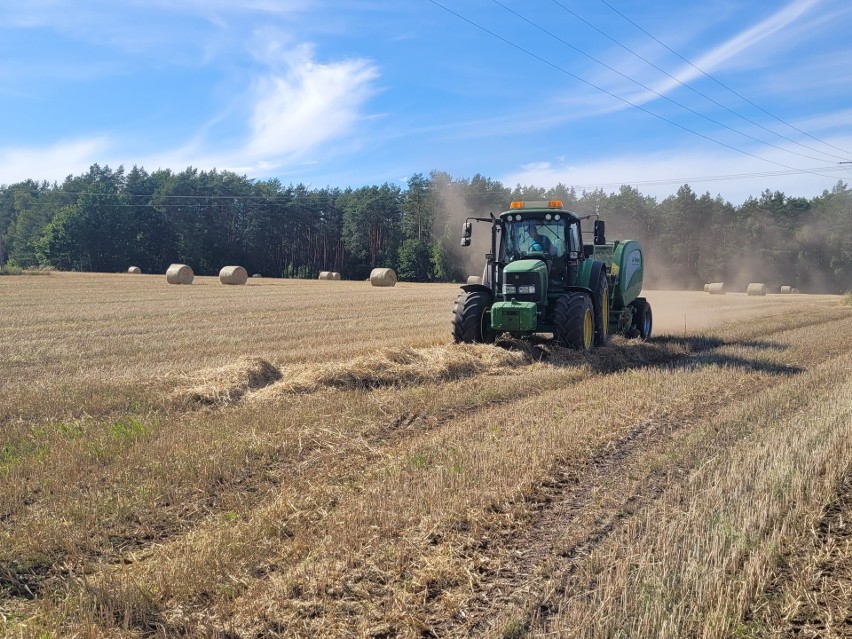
x=94, y=233
x=417, y=209
x=415, y=261
x=371, y=226
x=25, y=209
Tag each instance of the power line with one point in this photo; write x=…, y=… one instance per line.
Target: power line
x=610, y=93
x=686, y=86
x=713, y=178
x=723, y=85
x=649, y=89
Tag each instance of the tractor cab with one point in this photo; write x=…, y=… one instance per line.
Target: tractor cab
x=542, y=231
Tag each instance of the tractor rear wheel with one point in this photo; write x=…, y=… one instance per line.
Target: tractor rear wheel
x=600, y=303
x=643, y=319
x=470, y=318
x=574, y=321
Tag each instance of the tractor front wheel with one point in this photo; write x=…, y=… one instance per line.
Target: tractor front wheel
x=471, y=322
x=574, y=321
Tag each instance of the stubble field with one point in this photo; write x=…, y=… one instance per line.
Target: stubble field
x=315, y=459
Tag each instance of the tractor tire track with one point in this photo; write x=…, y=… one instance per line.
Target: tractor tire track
x=570, y=498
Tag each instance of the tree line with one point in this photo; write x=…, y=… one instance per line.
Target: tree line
x=106, y=220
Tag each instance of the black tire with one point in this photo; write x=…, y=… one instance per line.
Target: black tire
x=573, y=321
x=643, y=319
x=600, y=304
x=471, y=323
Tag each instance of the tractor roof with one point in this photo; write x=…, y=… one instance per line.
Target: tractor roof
x=537, y=208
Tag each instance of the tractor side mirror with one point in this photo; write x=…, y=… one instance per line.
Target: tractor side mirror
x=600, y=232
x=467, y=230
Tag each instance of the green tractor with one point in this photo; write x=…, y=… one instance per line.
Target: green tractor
x=540, y=277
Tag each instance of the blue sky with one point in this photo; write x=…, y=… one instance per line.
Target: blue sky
x=372, y=91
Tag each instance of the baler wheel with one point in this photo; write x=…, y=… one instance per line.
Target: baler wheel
x=574, y=321
x=470, y=318
x=643, y=319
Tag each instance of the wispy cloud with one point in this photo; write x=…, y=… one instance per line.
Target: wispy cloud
x=731, y=52
x=309, y=104
x=295, y=110
x=771, y=26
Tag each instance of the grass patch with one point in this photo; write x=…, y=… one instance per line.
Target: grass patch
x=11, y=269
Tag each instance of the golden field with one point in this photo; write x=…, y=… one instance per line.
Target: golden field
x=316, y=459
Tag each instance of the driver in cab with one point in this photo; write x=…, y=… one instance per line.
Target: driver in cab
x=540, y=243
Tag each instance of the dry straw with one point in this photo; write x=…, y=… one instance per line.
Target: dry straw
x=385, y=368
x=756, y=288
x=383, y=277
x=135, y=270
x=329, y=275
x=179, y=274
x=716, y=288
x=228, y=383
x=236, y=275
x=395, y=367
x=474, y=279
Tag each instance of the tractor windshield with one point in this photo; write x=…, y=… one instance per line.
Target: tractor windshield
x=533, y=238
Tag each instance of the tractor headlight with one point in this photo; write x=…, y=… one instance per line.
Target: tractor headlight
x=526, y=290
x=508, y=289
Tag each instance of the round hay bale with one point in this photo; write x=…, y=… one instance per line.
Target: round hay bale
x=135, y=270
x=786, y=290
x=716, y=288
x=236, y=275
x=179, y=274
x=756, y=288
x=706, y=288
x=474, y=279
x=383, y=277
x=257, y=275
x=329, y=275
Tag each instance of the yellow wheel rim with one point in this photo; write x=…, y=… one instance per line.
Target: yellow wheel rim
x=588, y=329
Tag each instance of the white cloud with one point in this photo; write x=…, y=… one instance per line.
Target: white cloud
x=660, y=173
x=54, y=162
x=295, y=113
x=308, y=105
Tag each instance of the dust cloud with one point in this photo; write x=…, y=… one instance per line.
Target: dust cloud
x=450, y=213
x=682, y=312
